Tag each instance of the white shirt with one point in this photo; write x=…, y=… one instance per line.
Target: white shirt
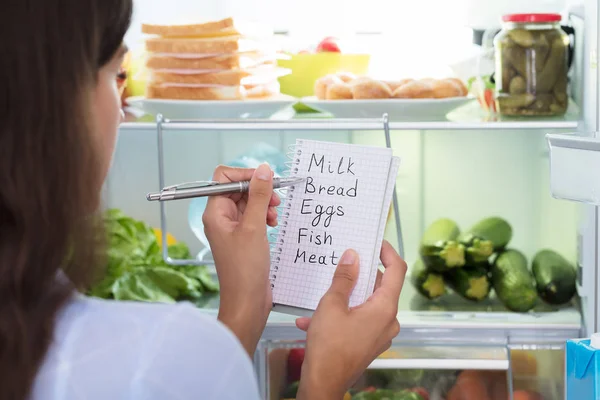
x=124, y=350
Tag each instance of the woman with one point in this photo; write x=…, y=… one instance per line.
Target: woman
x=59, y=113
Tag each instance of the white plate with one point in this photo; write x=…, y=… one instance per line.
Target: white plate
x=397, y=109
x=213, y=109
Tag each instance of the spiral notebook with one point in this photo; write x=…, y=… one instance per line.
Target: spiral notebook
x=343, y=203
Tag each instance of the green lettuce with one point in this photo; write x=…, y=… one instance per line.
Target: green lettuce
x=136, y=270
x=487, y=82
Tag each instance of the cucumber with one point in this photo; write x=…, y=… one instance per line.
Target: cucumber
x=440, y=250
x=484, y=238
x=429, y=284
x=555, y=277
x=512, y=281
x=470, y=282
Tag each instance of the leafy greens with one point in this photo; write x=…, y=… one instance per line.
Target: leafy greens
x=136, y=270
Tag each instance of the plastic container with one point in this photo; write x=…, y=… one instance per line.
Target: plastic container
x=583, y=368
x=307, y=68
x=252, y=158
x=532, y=60
x=425, y=369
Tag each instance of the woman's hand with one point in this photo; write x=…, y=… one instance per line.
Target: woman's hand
x=236, y=227
x=341, y=342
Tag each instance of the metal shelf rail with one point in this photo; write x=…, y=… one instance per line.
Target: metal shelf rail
x=164, y=125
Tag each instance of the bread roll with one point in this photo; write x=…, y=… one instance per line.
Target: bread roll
x=430, y=81
x=463, y=88
x=364, y=88
x=445, y=88
x=414, y=90
x=346, y=77
x=360, y=79
x=322, y=83
x=396, y=84
x=338, y=91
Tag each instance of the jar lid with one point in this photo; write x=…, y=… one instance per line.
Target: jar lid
x=531, y=18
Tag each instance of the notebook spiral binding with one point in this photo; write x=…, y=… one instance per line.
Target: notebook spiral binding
x=293, y=155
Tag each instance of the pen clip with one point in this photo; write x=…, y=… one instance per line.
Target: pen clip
x=188, y=185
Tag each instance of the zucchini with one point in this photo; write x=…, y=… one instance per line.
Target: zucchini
x=484, y=238
x=440, y=250
x=555, y=277
x=512, y=281
x=429, y=284
x=470, y=282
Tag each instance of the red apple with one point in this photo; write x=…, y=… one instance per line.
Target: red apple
x=328, y=45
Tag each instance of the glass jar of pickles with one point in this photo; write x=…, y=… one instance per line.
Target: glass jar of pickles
x=532, y=53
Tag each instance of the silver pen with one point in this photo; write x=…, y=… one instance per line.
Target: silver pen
x=191, y=190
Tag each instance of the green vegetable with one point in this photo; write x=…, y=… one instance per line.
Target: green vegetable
x=548, y=76
x=471, y=282
x=407, y=395
x=517, y=85
x=555, y=277
x=136, y=270
x=486, y=81
x=395, y=378
x=541, y=49
x=488, y=235
x=522, y=37
x=291, y=391
x=429, y=284
x=532, y=70
x=440, y=250
x=387, y=394
x=512, y=281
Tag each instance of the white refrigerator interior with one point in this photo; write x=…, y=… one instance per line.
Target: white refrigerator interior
x=542, y=175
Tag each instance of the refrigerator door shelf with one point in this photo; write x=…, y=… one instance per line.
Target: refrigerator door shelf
x=444, y=357
x=575, y=167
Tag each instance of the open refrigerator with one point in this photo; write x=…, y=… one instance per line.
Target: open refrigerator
x=537, y=173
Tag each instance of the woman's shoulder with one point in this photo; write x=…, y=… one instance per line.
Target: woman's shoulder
x=110, y=311
x=142, y=347
x=148, y=322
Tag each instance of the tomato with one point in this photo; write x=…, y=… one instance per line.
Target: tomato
x=328, y=45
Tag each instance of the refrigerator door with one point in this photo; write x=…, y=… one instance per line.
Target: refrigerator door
x=575, y=176
x=575, y=158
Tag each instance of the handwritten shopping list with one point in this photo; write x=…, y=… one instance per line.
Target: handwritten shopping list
x=337, y=207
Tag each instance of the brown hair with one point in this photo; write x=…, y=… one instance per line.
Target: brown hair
x=50, y=177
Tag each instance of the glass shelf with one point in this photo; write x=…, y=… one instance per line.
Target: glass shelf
x=467, y=117
x=453, y=319
x=450, y=320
